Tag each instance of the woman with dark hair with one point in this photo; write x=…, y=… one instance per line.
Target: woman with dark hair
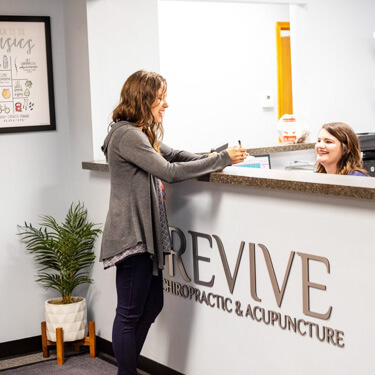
x=338, y=151
x=136, y=235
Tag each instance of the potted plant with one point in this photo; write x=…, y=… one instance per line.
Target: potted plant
x=64, y=254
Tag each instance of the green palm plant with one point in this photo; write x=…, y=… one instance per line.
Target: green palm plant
x=65, y=248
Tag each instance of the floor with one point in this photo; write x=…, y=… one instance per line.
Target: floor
x=24, y=360
x=18, y=362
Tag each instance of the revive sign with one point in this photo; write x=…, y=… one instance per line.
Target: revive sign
x=256, y=313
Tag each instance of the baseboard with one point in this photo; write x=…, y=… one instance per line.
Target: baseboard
x=103, y=348
x=155, y=368
x=20, y=347
x=145, y=364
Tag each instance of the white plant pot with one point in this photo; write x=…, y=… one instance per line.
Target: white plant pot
x=72, y=318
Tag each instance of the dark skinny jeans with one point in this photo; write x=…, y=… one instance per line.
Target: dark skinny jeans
x=139, y=301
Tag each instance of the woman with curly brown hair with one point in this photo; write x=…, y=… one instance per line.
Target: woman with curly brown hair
x=338, y=150
x=136, y=235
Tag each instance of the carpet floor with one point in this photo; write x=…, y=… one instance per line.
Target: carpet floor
x=80, y=364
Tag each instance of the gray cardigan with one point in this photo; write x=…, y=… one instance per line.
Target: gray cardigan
x=133, y=214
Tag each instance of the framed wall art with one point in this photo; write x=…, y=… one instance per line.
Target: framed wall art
x=26, y=79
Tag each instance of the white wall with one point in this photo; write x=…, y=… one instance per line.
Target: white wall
x=89, y=187
x=220, y=63
x=123, y=38
x=35, y=179
x=334, y=60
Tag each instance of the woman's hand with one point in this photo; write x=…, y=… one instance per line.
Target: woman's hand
x=212, y=154
x=237, y=154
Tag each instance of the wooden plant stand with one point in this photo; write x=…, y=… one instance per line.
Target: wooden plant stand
x=87, y=341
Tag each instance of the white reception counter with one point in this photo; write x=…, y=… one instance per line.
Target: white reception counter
x=273, y=274
x=269, y=282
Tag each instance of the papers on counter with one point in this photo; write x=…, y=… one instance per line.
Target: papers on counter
x=258, y=161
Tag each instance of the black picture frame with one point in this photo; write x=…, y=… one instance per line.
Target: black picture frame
x=26, y=76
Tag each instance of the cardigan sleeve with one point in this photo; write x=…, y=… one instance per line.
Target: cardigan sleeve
x=135, y=148
x=178, y=155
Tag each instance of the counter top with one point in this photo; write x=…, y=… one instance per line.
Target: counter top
x=280, y=148
x=300, y=181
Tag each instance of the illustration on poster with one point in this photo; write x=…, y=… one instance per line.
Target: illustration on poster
x=4, y=109
x=5, y=62
x=6, y=93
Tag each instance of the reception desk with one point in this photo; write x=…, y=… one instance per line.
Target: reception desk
x=272, y=273
x=297, y=181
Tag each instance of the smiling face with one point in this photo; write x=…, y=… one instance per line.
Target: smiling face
x=328, y=151
x=159, y=105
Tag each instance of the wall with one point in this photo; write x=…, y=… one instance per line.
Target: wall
x=219, y=70
x=35, y=179
x=123, y=38
x=88, y=187
x=335, y=62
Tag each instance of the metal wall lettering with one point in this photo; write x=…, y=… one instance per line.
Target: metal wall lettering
x=256, y=314
x=232, y=277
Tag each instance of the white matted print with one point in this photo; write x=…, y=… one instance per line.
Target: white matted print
x=26, y=81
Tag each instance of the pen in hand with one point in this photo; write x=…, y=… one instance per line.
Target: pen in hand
x=240, y=144
x=237, y=154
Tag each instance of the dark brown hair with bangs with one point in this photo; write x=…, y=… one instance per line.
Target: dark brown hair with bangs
x=138, y=94
x=351, y=159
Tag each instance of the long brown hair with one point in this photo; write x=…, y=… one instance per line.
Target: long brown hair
x=351, y=159
x=138, y=94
